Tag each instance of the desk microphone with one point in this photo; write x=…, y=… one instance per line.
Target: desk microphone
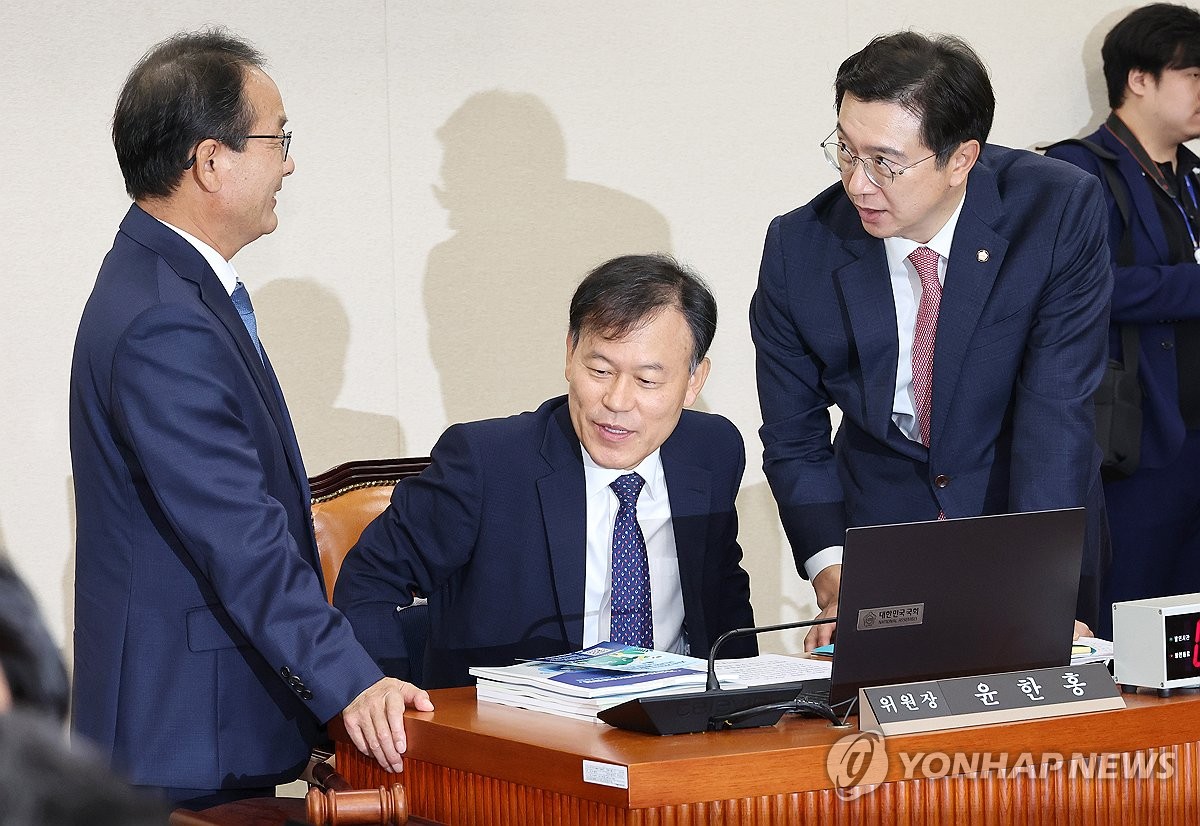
x=717, y=708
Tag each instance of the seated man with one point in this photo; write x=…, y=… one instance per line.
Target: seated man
x=607, y=514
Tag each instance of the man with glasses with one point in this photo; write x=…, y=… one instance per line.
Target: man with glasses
x=206, y=656
x=950, y=298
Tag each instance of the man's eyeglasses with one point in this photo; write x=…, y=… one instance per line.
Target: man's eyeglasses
x=879, y=171
x=285, y=141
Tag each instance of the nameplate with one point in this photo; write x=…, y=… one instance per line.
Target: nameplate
x=990, y=698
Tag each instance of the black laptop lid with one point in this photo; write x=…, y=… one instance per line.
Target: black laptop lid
x=926, y=600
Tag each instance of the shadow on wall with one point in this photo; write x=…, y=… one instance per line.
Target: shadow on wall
x=306, y=333
x=1092, y=67
x=496, y=292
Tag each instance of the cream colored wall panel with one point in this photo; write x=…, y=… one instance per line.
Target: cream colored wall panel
x=460, y=165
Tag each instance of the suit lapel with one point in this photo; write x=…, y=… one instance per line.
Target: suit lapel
x=689, y=489
x=1143, y=208
x=563, y=498
x=189, y=264
x=976, y=257
x=213, y=294
x=866, y=293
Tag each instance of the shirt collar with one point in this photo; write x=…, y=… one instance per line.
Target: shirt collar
x=223, y=269
x=898, y=248
x=597, y=479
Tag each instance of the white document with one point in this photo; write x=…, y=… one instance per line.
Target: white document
x=766, y=669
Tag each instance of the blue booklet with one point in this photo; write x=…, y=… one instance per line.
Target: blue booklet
x=615, y=656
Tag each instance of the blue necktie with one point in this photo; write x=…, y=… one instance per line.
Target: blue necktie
x=632, y=622
x=241, y=300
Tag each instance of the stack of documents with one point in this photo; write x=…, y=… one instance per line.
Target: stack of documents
x=583, y=683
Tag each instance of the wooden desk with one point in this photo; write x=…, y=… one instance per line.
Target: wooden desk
x=481, y=763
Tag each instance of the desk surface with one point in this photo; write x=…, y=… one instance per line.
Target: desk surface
x=547, y=752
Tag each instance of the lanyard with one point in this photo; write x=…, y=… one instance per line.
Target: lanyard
x=1126, y=138
x=1186, y=176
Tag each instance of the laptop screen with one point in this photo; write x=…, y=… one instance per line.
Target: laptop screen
x=926, y=600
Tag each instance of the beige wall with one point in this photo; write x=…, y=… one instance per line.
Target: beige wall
x=459, y=166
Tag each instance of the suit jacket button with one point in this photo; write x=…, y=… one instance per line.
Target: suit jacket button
x=285, y=672
x=1166, y=345
x=306, y=694
x=941, y=480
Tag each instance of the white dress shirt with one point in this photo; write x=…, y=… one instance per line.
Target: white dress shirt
x=906, y=292
x=225, y=272
x=654, y=518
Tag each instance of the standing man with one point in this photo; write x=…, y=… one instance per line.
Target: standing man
x=1152, y=69
x=950, y=297
x=206, y=655
x=607, y=514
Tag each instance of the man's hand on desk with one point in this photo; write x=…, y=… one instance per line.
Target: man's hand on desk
x=827, y=584
x=375, y=720
x=1081, y=630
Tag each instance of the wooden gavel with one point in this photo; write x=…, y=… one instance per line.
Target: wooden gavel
x=339, y=805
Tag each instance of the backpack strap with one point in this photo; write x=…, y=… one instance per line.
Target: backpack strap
x=1116, y=185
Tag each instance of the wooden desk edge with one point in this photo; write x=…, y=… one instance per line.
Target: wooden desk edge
x=542, y=750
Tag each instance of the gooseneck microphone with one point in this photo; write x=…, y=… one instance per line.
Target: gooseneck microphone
x=713, y=683
x=717, y=708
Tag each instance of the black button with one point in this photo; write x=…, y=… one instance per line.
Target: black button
x=286, y=672
x=1166, y=345
x=306, y=694
x=297, y=682
x=941, y=480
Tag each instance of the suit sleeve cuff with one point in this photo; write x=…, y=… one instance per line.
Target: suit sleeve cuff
x=821, y=560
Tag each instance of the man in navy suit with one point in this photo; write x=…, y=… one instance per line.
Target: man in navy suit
x=951, y=298
x=515, y=532
x=1152, y=69
x=206, y=656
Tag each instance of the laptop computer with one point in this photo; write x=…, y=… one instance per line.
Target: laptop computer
x=919, y=601
x=927, y=600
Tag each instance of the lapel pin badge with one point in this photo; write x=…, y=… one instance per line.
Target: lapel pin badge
x=982, y=256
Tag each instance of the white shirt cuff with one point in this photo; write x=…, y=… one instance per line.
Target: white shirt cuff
x=821, y=560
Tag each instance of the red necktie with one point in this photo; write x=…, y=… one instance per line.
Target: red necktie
x=925, y=261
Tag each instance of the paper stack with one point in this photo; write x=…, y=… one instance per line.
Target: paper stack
x=583, y=683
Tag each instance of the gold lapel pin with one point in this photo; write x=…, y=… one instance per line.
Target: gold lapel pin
x=982, y=256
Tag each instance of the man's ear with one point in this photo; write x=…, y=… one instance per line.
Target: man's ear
x=206, y=170
x=696, y=382
x=1139, y=82
x=963, y=161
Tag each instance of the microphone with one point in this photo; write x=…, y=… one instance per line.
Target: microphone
x=713, y=683
x=718, y=708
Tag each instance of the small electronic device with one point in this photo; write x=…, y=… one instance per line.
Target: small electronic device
x=1156, y=643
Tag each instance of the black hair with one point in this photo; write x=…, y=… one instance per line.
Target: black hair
x=48, y=783
x=184, y=90
x=940, y=80
x=1152, y=38
x=622, y=294
x=29, y=658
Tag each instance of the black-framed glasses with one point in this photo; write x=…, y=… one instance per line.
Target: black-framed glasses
x=285, y=141
x=880, y=172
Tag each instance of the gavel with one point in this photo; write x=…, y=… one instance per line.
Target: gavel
x=339, y=805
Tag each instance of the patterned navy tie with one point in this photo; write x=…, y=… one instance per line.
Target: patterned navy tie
x=632, y=622
x=241, y=300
